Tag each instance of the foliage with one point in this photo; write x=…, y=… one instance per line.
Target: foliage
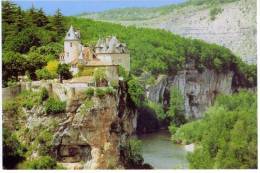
x=99, y=75
x=114, y=84
x=89, y=92
x=100, y=92
x=64, y=71
x=52, y=66
x=158, y=108
x=13, y=151
x=122, y=72
x=173, y=128
x=133, y=150
x=214, y=12
x=136, y=91
x=54, y=106
x=110, y=91
x=176, y=109
x=42, y=162
x=28, y=99
x=43, y=74
x=13, y=65
x=44, y=95
x=221, y=142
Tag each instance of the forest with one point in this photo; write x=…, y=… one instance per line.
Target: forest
x=32, y=42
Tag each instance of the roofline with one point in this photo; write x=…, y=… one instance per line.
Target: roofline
x=72, y=40
x=114, y=53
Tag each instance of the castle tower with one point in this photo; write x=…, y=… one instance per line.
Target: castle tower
x=72, y=46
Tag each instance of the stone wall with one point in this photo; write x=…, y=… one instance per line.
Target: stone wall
x=10, y=92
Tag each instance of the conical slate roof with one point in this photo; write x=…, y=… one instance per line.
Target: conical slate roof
x=72, y=34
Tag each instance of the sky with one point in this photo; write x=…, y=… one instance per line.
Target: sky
x=74, y=7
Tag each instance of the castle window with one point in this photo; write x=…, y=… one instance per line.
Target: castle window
x=68, y=54
x=70, y=44
x=68, y=34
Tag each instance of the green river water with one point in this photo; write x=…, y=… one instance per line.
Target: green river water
x=160, y=152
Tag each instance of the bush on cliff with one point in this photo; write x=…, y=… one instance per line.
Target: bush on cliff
x=13, y=151
x=227, y=136
x=176, y=109
x=54, y=106
x=89, y=92
x=42, y=162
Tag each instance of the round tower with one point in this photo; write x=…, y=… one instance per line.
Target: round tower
x=72, y=46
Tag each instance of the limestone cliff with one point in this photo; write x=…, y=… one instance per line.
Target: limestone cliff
x=92, y=131
x=198, y=89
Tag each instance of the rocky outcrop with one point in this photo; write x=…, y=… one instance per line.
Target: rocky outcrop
x=198, y=89
x=91, y=133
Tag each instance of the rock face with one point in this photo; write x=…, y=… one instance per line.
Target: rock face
x=198, y=89
x=94, y=133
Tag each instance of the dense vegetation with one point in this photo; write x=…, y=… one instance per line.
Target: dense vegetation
x=227, y=136
x=158, y=50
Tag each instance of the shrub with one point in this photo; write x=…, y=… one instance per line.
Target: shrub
x=13, y=151
x=176, y=109
x=90, y=92
x=109, y=91
x=214, y=12
x=100, y=92
x=136, y=91
x=42, y=162
x=172, y=128
x=158, y=108
x=114, y=84
x=44, y=95
x=133, y=153
x=11, y=83
x=28, y=99
x=54, y=106
x=44, y=74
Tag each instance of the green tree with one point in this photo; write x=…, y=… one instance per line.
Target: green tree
x=13, y=65
x=58, y=23
x=64, y=72
x=13, y=151
x=176, y=109
x=227, y=136
x=136, y=91
x=99, y=76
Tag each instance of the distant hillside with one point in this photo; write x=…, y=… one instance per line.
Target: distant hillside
x=231, y=24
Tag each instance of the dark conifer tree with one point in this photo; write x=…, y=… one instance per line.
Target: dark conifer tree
x=58, y=23
x=41, y=18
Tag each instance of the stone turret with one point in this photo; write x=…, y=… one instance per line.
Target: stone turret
x=72, y=46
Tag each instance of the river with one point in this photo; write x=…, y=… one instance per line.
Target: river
x=160, y=152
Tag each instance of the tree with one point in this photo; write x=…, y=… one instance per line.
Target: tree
x=20, y=21
x=58, y=23
x=136, y=91
x=13, y=151
x=8, y=12
x=100, y=76
x=64, y=72
x=13, y=65
x=176, y=109
x=52, y=67
x=227, y=136
x=41, y=18
x=34, y=61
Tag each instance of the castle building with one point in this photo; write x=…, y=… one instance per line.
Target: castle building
x=107, y=52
